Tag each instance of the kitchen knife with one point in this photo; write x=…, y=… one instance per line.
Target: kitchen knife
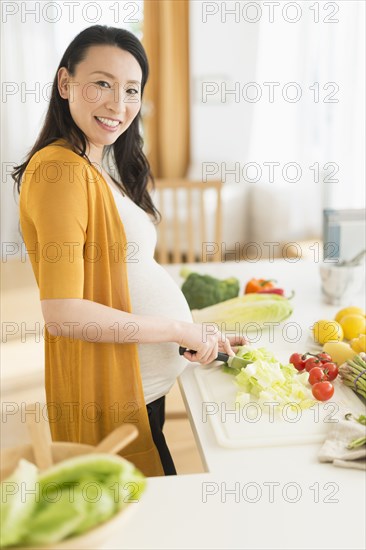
x=233, y=361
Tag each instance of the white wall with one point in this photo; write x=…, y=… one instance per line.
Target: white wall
x=228, y=48
x=220, y=131
x=227, y=52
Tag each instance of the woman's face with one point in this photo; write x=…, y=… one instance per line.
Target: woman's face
x=104, y=94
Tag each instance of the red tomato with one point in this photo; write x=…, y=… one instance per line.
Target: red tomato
x=311, y=363
x=324, y=357
x=316, y=375
x=298, y=361
x=330, y=370
x=322, y=391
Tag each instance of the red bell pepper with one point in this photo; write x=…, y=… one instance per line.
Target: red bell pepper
x=279, y=291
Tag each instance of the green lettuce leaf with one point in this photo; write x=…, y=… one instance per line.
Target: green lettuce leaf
x=96, y=465
x=58, y=519
x=18, y=502
x=100, y=504
x=72, y=497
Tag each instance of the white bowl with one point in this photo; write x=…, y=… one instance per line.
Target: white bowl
x=341, y=284
x=95, y=538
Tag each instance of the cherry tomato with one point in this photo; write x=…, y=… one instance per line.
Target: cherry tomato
x=330, y=370
x=324, y=357
x=322, y=391
x=298, y=361
x=316, y=375
x=311, y=363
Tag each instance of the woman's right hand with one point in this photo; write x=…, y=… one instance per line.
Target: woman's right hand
x=204, y=339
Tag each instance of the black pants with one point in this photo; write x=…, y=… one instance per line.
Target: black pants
x=156, y=412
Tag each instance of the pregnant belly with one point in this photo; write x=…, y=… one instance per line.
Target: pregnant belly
x=160, y=365
x=154, y=292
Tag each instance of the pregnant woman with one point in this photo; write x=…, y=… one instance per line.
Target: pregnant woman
x=114, y=317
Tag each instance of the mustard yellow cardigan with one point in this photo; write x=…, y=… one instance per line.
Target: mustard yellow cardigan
x=77, y=246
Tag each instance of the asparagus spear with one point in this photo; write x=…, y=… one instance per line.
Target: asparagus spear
x=353, y=374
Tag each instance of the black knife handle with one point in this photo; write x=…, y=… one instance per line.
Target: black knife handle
x=220, y=356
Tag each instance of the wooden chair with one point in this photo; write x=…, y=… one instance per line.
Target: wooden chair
x=182, y=233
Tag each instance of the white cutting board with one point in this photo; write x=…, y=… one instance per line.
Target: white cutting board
x=254, y=425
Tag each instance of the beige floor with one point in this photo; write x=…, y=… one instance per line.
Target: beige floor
x=179, y=436
x=182, y=446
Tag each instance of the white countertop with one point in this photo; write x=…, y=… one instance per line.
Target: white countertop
x=199, y=511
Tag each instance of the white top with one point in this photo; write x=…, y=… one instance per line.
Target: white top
x=153, y=292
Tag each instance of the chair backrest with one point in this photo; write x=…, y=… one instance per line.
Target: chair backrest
x=191, y=226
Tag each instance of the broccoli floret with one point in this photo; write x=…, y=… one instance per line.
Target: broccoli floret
x=203, y=290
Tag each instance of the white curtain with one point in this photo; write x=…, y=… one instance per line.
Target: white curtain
x=311, y=130
x=33, y=39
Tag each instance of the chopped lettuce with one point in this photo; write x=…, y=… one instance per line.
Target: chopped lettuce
x=267, y=380
x=250, y=354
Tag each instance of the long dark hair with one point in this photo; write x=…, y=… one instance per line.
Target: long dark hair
x=131, y=163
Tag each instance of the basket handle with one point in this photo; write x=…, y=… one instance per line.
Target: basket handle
x=117, y=440
x=39, y=431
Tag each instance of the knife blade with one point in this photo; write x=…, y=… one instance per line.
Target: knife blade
x=233, y=361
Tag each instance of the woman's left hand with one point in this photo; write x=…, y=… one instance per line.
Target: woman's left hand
x=235, y=342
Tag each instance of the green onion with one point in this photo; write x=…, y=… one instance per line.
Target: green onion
x=356, y=443
x=361, y=441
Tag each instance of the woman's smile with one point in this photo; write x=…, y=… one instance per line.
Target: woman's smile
x=108, y=124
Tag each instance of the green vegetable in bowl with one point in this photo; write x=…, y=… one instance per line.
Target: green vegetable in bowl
x=71, y=497
x=101, y=504
x=203, y=290
x=15, y=510
x=57, y=520
x=252, y=310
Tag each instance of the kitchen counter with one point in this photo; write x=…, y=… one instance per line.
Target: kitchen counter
x=293, y=335
x=232, y=505
x=313, y=505
x=254, y=498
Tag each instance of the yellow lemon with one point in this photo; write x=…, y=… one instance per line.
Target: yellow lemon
x=359, y=344
x=327, y=331
x=340, y=352
x=353, y=326
x=352, y=310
